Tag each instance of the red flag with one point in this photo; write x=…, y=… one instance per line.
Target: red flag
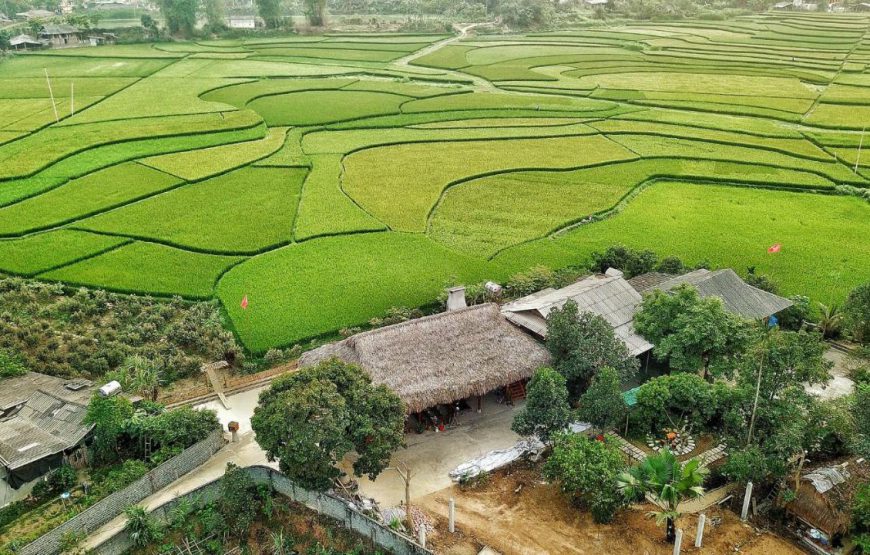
x=774, y=248
x=245, y=303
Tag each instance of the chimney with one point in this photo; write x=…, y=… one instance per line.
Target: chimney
x=613, y=272
x=456, y=298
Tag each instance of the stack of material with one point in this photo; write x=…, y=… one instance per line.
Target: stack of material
x=497, y=459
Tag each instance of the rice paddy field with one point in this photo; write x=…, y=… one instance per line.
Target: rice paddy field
x=329, y=178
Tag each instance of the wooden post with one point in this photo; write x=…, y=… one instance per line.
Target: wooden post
x=745, y=512
x=423, y=535
x=678, y=541
x=451, y=515
x=699, y=536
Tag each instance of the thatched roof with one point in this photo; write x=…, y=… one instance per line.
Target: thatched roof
x=609, y=296
x=825, y=496
x=441, y=358
x=738, y=296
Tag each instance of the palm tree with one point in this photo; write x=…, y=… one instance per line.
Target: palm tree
x=829, y=322
x=663, y=476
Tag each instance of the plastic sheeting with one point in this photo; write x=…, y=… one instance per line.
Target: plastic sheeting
x=497, y=459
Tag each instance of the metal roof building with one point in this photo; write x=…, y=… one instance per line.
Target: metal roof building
x=609, y=296
x=738, y=296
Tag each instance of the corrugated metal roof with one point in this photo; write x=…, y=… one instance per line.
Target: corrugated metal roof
x=610, y=297
x=739, y=297
x=45, y=425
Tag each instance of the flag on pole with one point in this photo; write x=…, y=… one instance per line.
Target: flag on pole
x=774, y=248
x=244, y=304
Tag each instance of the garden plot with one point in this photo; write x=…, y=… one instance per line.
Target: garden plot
x=244, y=211
x=84, y=196
x=400, y=184
x=38, y=253
x=149, y=269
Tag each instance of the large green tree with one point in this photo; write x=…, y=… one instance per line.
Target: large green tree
x=861, y=415
x=214, y=14
x=546, y=410
x=309, y=420
x=315, y=12
x=108, y=416
x=692, y=333
x=583, y=343
x=180, y=16
x=270, y=11
x=587, y=472
x=668, y=480
x=603, y=404
x=856, y=313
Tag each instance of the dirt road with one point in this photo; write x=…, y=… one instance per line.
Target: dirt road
x=537, y=519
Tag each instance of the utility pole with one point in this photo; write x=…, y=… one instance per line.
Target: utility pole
x=51, y=95
x=757, y=387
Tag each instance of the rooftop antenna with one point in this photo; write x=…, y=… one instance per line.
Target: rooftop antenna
x=51, y=95
x=860, y=144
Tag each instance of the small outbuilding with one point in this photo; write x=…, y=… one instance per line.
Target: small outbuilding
x=24, y=42
x=821, y=507
x=443, y=358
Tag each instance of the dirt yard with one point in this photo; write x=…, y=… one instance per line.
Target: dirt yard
x=515, y=513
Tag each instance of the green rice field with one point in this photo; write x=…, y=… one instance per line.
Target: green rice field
x=329, y=178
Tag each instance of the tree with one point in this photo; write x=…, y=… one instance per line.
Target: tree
x=692, y=333
x=856, y=313
x=668, y=480
x=665, y=401
x=794, y=317
x=581, y=344
x=603, y=404
x=139, y=375
x=315, y=12
x=180, y=16
x=830, y=320
x=108, y=415
x=861, y=517
x=270, y=11
x=310, y=419
x=784, y=359
x=547, y=410
x=631, y=262
x=214, y=14
x=671, y=265
x=239, y=500
x=526, y=14
x=149, y=25
x=587, y=472
x=861, y=417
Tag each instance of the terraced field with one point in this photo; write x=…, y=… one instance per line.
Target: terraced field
x=329, y=178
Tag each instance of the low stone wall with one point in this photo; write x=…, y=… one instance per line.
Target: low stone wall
x=114, y=504
x=323, y=503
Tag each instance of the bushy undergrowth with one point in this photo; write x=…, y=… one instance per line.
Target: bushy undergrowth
x=82, y=332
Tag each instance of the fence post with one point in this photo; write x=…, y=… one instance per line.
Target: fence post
x=678, y=541
x=702, y=520
x=423, y=534
x=451, y=515
x=745, y=512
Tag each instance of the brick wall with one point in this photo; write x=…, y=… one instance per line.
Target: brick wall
x=114, y=504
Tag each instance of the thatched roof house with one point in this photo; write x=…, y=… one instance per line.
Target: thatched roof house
x=442, y=358
x=824, y=499
x=609, y=296
x=738, y=296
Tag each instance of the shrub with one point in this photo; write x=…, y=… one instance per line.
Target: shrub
x=603, y=404
x=586, y=470
x=671, y=265
x=532, y=280
x=142, y=527
x=631, y=262
x=666, y=400
x=11, y=364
